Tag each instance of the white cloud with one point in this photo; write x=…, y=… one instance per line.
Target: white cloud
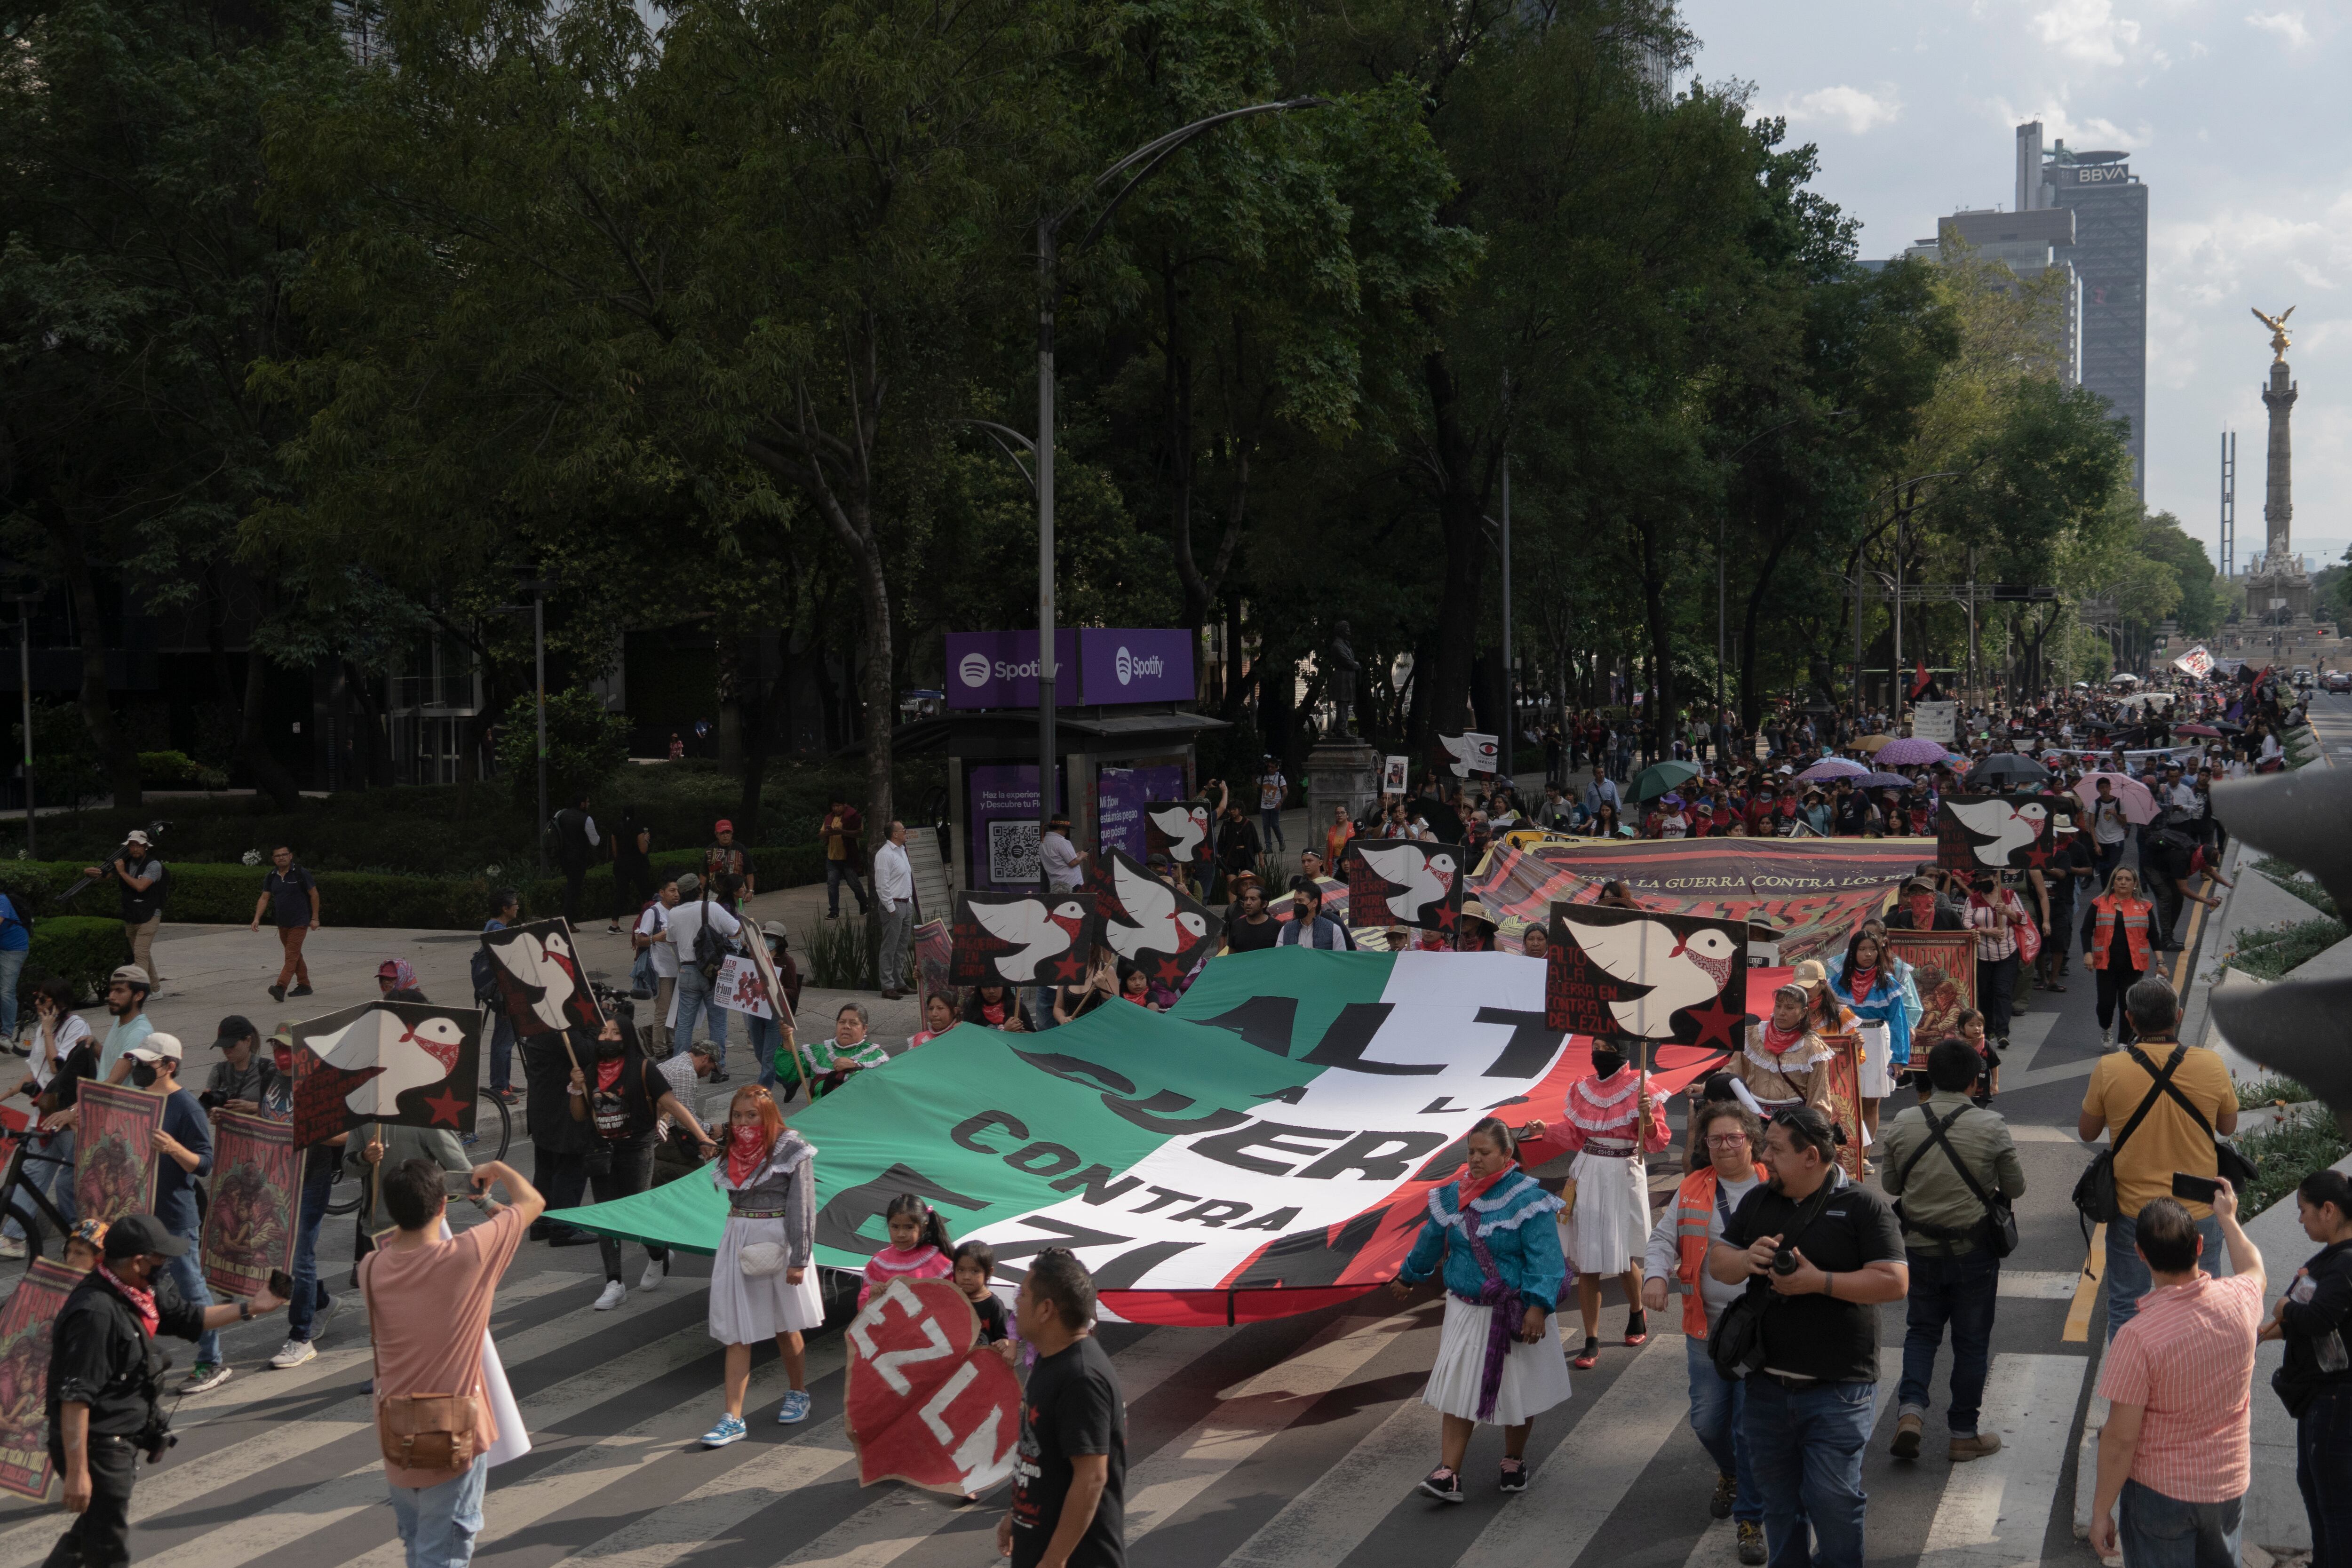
x=2087, y=30
x=1859, y=112
x=2287, y=25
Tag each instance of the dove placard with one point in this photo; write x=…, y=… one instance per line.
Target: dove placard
x=1023, y=938
x=1993, y=832
x=1151, y=924
x=542, y=989
x=1471, y=753
x=411, y=1064
x=1405, y=882
x=1180, y=830
x=1674, y=979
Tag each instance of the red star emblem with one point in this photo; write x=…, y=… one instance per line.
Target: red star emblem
x=1168, y=972
x=1448, y=917
x=1717, y=1022
x=1069, y=967
x=2038, y=855
x=445, y=1108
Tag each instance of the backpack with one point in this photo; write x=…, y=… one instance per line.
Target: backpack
x=485, y=974
x=709, y=947
x=1996, y=1232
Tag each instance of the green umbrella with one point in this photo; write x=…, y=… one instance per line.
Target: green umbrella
x=1659, y=777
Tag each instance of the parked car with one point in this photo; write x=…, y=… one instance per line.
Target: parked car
x=2339, y=681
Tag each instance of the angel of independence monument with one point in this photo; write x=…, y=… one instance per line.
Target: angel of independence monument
x=2278, y=587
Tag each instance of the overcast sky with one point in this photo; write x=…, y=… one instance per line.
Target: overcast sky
x=2238, y=117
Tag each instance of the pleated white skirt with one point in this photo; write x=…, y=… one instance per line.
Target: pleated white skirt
x=1535, y=1377
x=1608, y=1227
x=1876, y=1074
x=744, y=1310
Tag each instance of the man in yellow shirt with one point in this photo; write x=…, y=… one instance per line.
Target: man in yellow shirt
x=2169, y=1138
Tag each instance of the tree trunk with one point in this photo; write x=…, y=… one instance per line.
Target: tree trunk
x=730, y=700
x=250, y=748
x=1460, y=507
x=376, y=748
x=1659, y=720
x=116, y=755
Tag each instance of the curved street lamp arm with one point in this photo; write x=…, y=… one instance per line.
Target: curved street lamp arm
x=1011, y=443
x=1151, y=154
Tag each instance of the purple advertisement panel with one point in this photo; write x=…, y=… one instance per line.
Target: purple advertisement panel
x=1153, y=665
x=1002, y=843
x=1119, y=800
x=999, y=669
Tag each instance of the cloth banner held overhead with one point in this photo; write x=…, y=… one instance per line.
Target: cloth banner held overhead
x=114, y=1152
x=926, y=1402
x=251, y=1206
x=1264, y=1147
x=2196, y=662
x=1814, y=891
x=1937, y=721
x=411, y=1064
x=26, y=1325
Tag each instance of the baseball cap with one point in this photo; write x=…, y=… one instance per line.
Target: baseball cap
x=235, y=1027
x=135, y=1235
x=722, y=825
x=775, y=928
x=284, y=1034
x=131, y=974
x=155, y=1048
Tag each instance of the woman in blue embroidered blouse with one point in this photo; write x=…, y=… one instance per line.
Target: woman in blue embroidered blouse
x=1498, y=1360
x=1866, y=980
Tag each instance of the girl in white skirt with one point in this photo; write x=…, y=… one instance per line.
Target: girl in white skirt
x=1498, y=1361
x=1613, y=1123
x=763, y=1281
x=1868, y=983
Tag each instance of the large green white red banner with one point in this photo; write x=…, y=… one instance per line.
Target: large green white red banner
x=1266, y=1148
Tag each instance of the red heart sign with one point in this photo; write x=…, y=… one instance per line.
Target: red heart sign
x=927, y=1404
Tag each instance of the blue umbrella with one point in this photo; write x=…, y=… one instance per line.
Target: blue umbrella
x=1883, y=781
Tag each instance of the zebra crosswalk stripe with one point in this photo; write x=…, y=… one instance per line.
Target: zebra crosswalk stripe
x=1995, y=1511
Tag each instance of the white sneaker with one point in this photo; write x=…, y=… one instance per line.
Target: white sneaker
x=11, y=1247
x=613, y=1292
x=2106, y=1039
x=293, y=1354
x=656, y=1270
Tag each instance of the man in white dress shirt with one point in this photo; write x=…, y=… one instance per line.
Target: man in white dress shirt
x=893, y=889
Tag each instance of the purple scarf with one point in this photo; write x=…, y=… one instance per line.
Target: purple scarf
x=1508, y=1308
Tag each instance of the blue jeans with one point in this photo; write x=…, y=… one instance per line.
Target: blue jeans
x=696, y=1002
x=12, y=968
x=311, y=1296
x=437, y=1524
x=836, y=872
x=191, y=1280
x=1805, y=1447
x=1269, y=828
x=1960, y=1291
x=2322, y=1469
x=502, y=1044
x=2126, y=1272
x=2160, y=1531
x=1716, y=1407
x=764, y=1034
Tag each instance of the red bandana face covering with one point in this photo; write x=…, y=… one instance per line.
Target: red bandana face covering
x=1778, y=1040
x=747, y=1150
x=1923, y=911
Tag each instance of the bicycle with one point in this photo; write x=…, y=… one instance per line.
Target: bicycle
x=16, y=1185
x=345, y=1195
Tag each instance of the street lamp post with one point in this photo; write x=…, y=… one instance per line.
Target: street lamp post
x=25, y=603
x=539, y=587
x=1722, y=529
x=1136, y=167
x=1510, y=654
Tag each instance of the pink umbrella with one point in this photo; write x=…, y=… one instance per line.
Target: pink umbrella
x=2139, y=805
x=1910, y=753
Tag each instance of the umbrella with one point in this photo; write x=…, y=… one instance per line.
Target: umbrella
x=2006, y=770
x=2139, y=805
x=1883, y=781
x=2206, y=730
x=1909, y=754
x=1659, y=777
x=1871, y=742
x=1830, y=768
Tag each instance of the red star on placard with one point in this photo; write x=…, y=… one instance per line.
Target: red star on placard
x=1717, y=1022
x=1448, y=917
x=446, y=1107
x=1069, y=968
x=1168, y=972
x=2038, y=856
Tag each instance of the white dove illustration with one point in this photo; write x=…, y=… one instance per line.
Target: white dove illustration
x=1679, y=973
x=1159, y=925
x=1042, y=932
x=2006, y=828
x=411, y=1058
x=1425, y=878
x=1181, y=823
x=1473, y=753
x=547, y=968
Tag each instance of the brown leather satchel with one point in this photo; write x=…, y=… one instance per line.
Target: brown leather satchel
x=421, y=1431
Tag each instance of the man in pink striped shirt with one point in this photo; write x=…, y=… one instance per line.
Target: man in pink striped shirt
x=2174, y=1452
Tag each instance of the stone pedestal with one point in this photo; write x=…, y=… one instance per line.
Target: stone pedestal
x=1341, y=771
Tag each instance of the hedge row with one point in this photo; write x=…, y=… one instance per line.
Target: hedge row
x=225, y=895
x=83, y=950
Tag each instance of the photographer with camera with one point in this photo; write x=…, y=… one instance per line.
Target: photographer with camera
x=106, y=1379
x=144, y=888
x=1820, y=1254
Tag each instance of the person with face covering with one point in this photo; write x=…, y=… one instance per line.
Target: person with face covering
x=1783, y=1063
x=1490, y=1233
x=764, y=1280
x=1613, y=1124
x=619, y=1092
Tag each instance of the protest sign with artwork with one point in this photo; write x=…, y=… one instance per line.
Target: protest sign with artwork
x=1944, y=972
x=250, y=1207
x=413, y=1064
x=542, y=989
x=1993, y=832
x=740, y=989
x=114, y=1151
x=1023, y=939
x=1180, y=830
x=1405, y=882
x=26, y=1325
x=1473, y=753
x=1151, y=924
x=925, y=1401
x=1844, y=1067
x=1668, y=978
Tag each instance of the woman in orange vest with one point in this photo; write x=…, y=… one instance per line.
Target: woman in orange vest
x=1703, y=1204
x=2118, y=937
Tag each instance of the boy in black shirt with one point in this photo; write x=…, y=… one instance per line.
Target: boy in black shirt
x=1808, y=1413
x=1069, y=1480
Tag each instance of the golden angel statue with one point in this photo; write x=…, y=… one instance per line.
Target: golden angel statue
x=2280, y=342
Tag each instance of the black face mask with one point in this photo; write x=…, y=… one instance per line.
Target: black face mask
x=608, y=1049
x=143, y=1074
x=1607, y=1062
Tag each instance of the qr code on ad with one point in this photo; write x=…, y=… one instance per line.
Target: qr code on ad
x=1013, y=853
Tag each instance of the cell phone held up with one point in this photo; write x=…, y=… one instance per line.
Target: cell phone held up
x=2195, y=1189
